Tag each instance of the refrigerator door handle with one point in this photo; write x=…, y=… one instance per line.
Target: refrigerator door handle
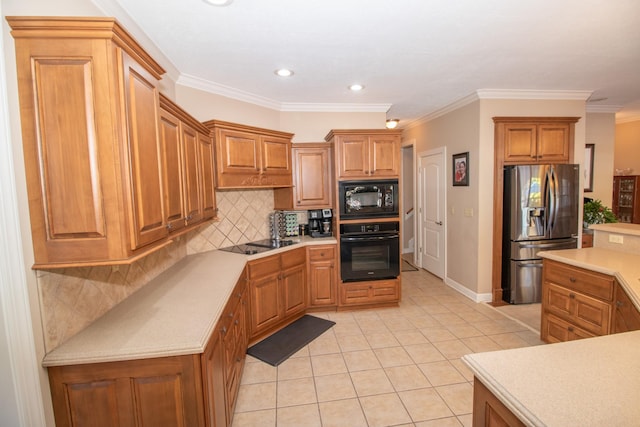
x=553, y=205
x=538, y=245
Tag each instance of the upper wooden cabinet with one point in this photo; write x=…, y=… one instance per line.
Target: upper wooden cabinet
x=366, y=153
x=536, y=140
x=188, y=167
x=626, y=198
x=249, y=157
x=312, y=178
x=110, y=175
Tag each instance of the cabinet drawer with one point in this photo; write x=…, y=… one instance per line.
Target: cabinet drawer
x=322, y=253
x=554, y=329
x=369, y=292
x=293, y=258
x=581, y=310
x=264, y=266
x=584, y=281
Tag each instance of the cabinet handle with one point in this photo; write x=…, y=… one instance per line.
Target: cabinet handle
x=224, y=330
x=570, y=328
x=572, y=295
x=231, y=314
x=237, y=321
x=169, y=226
x=619, y=304
x=572, y=279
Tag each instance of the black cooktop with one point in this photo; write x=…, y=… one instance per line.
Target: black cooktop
x=258, y=246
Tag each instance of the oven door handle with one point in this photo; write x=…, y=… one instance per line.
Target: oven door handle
x=369, y=238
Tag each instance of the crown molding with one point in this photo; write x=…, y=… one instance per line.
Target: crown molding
x=524, y=94
x=530, y=94
x=239, y=95
x=603, y=108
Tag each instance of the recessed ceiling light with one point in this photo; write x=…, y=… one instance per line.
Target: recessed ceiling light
x=283, y=72
x=356, y=87
x=218, y=2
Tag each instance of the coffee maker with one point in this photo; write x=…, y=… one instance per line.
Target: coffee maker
x=320, y=222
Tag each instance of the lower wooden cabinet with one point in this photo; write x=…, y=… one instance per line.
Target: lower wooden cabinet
x=579, y=303
x=370, y=293
x=164, y=391
x=277, y=288
x=195, y=390
x=323, y=276
x=488, y=411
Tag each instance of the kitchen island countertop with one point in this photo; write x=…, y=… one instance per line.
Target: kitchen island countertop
x=174, y=314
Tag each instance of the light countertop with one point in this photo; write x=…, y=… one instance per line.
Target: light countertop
x=174, y=314
x=589, y=382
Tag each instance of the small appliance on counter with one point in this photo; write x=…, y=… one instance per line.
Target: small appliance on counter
x=283, y=224
x=320, y=222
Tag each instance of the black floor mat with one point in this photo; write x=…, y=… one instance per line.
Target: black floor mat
x=278, y=347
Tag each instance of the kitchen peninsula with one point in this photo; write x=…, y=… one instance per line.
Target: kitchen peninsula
x=586, y=382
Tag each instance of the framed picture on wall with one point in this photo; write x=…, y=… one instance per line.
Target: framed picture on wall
x=589, y=150
x=461, y=169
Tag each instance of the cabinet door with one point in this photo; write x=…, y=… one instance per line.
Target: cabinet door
x=322, y=275
x=213, y=375
x=172, y=170
x=520, y=143
x=353, y=156
x=312, y=177
x=384, y=156
x=275, y=156
x=144, y=156
x=238, y=152
x=265, y=302
x=293, y=290
x=553, y=143
x=207, y=177
x=192, y=200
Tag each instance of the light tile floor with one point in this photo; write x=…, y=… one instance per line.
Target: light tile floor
x=384, y=367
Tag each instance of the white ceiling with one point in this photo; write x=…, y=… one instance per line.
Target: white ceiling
x=414, y=57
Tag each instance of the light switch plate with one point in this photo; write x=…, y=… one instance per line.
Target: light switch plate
x=616, y=238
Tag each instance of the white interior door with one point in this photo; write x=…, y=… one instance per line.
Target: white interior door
x=431, y=211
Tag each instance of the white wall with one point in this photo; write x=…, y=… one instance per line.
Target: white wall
x=627, y=146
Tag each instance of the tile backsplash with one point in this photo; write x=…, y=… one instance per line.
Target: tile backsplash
x=72, y=298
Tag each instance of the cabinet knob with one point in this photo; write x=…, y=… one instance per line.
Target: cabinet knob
x=231, y=314
x=224, y=330
x=572, y=295
x=169, y=226
x=237, y=321
x=570, y=328
x=572, y=279
x=619, y=304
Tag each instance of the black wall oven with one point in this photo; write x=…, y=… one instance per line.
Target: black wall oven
x=369, y=251
x=368, y=199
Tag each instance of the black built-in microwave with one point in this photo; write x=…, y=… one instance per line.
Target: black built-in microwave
x=368, y=199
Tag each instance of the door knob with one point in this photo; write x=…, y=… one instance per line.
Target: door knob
x=439, y=222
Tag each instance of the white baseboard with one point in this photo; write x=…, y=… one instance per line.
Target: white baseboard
x=473, y=296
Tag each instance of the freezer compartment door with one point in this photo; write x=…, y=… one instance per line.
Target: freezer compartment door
x=526, y=282
x=529, y=249
x=562, y=203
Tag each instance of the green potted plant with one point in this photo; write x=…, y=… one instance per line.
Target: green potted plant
x=596, y=213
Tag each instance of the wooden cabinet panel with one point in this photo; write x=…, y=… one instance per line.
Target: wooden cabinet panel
x=173, y=168
x=366, y=153
x=162, y=391
x=626, y=315
x=312, y=178
x=367, y=293
x=250, y=157
x=277, y=285
x=488, y=411
x=145, y=164
x=548, y=140
x=576, y=303
x=189, y=173
x=213, y=374
x=322, y=276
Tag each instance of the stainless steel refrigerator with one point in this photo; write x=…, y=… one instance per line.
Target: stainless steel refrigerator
x=540, y=213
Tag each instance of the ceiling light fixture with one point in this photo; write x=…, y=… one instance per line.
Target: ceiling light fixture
x=356, y=87
x=218, y=2
x=392, y=123
x=283, y=72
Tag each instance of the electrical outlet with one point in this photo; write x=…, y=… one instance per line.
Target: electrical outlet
x=616, y=238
